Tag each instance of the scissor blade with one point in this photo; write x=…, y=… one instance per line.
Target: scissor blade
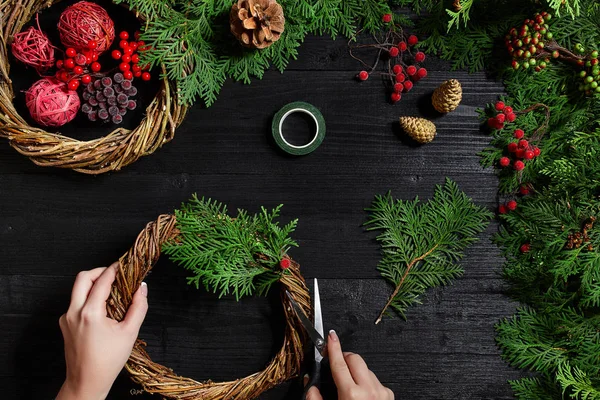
x=318, y=320
x=316, y=337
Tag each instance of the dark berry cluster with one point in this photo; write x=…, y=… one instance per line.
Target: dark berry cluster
x=527, y=44
x=129, y=58
x=591, y=72
x=403, y=62
x=109, y=99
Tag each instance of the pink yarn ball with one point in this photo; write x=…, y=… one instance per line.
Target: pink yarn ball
x=85, y=21
x=32, y=47
x=51, y=103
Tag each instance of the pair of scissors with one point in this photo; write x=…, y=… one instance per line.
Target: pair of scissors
x=316, y=334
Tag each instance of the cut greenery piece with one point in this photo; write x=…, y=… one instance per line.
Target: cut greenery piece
x=421, y=243
x=238, y=255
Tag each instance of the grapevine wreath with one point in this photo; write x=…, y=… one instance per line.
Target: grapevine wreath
x=199, y=226
x=119, y=148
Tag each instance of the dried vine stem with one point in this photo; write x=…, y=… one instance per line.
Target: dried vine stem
x=158, y=379
x=119, y=148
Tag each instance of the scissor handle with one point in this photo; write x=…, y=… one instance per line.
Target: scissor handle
x=314, y=378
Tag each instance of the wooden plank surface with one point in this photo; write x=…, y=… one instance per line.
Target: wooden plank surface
x=55, y=223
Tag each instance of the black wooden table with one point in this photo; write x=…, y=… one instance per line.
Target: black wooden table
x=54, y=223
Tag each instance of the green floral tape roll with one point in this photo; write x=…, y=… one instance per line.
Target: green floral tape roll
x=277, y=128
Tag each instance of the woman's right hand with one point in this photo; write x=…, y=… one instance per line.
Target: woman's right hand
x=354, y=380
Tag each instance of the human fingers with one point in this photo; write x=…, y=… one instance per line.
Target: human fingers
x=137, y=310
x=339, y=369
x=359, y=370
x=314, y=394
x=82, y=286
x=101, y=289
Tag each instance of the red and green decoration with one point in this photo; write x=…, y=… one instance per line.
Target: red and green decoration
x=87, y=31
x=396, y=51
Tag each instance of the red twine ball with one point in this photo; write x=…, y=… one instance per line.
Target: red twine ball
x=51, y=103
x=32, y=47
x=85, y=21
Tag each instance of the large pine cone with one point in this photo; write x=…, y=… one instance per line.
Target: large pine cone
x=420, y=129
x=447, y=97
x=257, y=23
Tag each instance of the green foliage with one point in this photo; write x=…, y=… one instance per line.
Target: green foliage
x=238, y=255
x=421, y=243
x=192, y=39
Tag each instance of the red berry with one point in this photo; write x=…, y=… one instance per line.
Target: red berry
x=136, y=74
x=136, y=35
x=518, y=133
x=94, y=56
x=88, y=59
x=411, y=70
x=402, y=46
x=504, y=162
x=92, y=44
x=70, y=52
x=128, y=75
x=126, y=58
x=86, y=79
x=141, y=45
x=520, y=153
x=363, y=75
x=525, y=248
x=408, y=85
x=500, y=118
x=400, y=77
x=69, y=63
x=511, y=205
x=536, y=151
x=63, y=76
x=78, y=70
x=395, y=96
x=523, y=144
x=116, y=54
x=502, y=209
x=413, y=40
x=124, y=66
x=420, y=56
x=512, y=147
x=511, y=117
x=398, y=87
x=397, y=69
x=394, y=52
x=507, y=110
x=524, y=189
x=133, y=45
x=95, y=66
x=124, y=35
x=128, y=50
x=123, y=44
x=529, y=155
x=518, y=166
x=73, y=84
x=492, y=123
x=387, y=18
x=285, y=263
x=146, y=76
x=500, y=106
x=136, y=68
x=422, y=73
x=59, y=64
x=135, y=58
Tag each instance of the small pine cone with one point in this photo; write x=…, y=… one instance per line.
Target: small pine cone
x=447, y=97
x=457, y=6
x=256, y=23
x=420, y=129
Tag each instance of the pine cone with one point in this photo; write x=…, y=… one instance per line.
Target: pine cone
x=257, y=23
x=420, y=129
x=447, y=97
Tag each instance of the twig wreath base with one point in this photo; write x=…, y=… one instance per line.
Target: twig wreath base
x=158, y=379
x=119, y=148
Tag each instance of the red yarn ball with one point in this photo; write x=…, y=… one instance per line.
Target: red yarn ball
x=83, y=22
x=51, y=103
x=32, y=47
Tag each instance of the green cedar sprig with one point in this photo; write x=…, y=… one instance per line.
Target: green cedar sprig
x=192, y=39
x=230, y=255
x=421, y=243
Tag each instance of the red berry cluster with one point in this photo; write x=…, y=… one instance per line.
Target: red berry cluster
x=505, y=115
x=520, y=150
x=76, y=67
x=512, y=205
x=403, y=63
x=129, y=57
x=527, y=44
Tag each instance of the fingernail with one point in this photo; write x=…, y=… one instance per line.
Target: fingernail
x=306, y=377
x=144, y=289
x=333, y=336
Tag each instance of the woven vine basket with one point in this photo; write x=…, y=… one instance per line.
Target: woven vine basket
x=158, y=379
x=119, y=148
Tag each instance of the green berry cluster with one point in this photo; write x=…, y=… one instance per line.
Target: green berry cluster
x=590, y=75
x=527, y=44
